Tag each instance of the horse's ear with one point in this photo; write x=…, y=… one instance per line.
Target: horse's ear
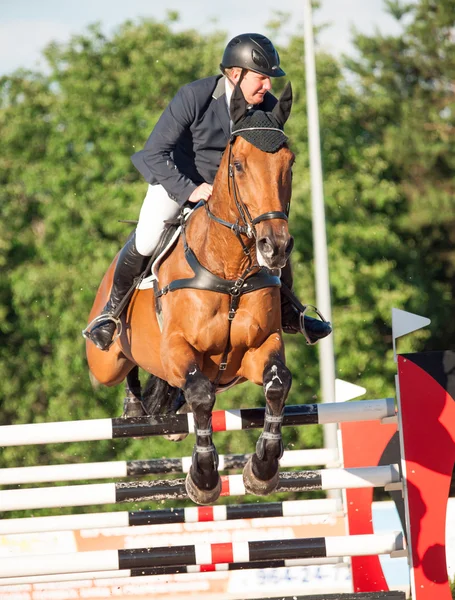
x=238, y=105
x=282, y=109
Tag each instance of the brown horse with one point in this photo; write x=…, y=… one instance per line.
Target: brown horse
x=220, y=299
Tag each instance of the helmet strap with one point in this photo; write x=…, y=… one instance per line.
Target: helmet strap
x=242, y=75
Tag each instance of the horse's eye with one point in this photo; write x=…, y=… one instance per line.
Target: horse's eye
x=238, y=166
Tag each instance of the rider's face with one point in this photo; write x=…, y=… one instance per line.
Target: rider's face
x=253, y=85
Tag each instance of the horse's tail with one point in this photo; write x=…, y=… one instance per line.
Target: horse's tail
x=160, y=398
x=93, y=380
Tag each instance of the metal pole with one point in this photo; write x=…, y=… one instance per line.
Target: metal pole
x=326, y=351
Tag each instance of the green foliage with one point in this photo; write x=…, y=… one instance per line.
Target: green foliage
x=387, y=119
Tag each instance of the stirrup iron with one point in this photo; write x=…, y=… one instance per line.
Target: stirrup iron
x=101, y=319
x=302, y=322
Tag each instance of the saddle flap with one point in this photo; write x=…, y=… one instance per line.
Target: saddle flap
x=167, y=241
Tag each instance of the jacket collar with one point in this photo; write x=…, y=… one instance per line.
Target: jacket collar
x=220, y=107
x=220, y=88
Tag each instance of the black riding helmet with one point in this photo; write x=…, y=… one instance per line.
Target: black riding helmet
x=254, y=52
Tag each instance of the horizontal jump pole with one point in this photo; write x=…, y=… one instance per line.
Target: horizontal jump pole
x=223, y=420
x=127, y=573
x=201, y=554
x=192, y=514
x=153, y=466
x=174, y=489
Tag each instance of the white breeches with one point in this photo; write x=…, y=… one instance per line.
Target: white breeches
x=156, y=208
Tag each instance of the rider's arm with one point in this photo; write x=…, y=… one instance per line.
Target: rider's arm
x=155, y=162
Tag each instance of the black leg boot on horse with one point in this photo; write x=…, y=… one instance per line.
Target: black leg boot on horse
x=261, y=472
x=129, y=266
x=293, y=317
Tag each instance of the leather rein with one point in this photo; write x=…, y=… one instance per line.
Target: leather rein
x=248, y=281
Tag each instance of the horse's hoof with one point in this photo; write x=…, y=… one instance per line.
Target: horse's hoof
x=175, y=437
x=202, y=496
x=256, y=486
x=133, y=407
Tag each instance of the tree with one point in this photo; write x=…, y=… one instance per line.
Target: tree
x=407, y=98
x=66, y=181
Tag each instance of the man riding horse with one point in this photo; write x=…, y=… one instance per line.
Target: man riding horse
x=180, y=161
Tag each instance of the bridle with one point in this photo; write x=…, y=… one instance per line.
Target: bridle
x=249, y=227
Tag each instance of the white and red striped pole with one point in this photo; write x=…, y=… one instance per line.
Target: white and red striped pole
x=222, y=420
x=201, y=554
x=192, y=514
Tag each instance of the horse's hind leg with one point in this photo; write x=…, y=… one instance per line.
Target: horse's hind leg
x=161, y=398
x=260, y=475
x=132, y=404
x=203, y=482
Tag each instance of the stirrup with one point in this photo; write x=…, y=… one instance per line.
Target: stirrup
x=86, y=333
x=302, y=323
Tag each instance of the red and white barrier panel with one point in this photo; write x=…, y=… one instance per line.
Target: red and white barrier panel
x=127, y=573
x=232, y=485
x=155, y=466
x=201, y=554
x=193, y=514
x=223, y=420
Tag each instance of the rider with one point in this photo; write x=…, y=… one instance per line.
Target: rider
x=180, y=161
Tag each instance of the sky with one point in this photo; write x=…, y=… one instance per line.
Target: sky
x=27, y=26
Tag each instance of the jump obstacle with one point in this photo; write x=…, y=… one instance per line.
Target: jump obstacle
x=425, y=473
x=222, y=420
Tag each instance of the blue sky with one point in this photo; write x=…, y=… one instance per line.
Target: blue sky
x=26, y=26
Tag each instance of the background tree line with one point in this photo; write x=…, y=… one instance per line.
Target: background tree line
x=387, y=129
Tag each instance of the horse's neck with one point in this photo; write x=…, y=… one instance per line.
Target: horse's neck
x=215, y=245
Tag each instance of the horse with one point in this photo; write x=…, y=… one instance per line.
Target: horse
x=219, y=299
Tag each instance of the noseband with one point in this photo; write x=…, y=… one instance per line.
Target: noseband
x=248, y=228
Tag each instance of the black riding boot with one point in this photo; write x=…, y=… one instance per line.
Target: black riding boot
x=130, y=265
x=291, y=316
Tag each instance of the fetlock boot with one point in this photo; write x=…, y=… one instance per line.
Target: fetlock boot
x=293, y=320
x=129, y=266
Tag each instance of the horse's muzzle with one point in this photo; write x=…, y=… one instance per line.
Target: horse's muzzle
x=273, y=250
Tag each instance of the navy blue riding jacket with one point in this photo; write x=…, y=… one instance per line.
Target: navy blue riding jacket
x=188, y=141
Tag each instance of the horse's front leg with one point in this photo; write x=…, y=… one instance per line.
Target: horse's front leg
x=203, y=482
x=260, y=475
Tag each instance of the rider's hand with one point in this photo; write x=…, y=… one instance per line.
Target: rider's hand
x=202, y=192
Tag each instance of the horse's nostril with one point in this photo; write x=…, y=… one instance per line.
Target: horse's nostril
x=290, y=246
x=265, y=246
